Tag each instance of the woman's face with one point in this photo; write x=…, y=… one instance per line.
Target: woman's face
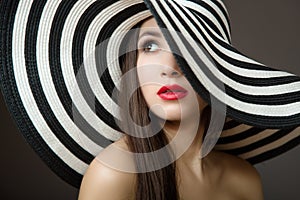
x=167, y=92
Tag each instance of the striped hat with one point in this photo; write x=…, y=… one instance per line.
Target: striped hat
x=45, y=44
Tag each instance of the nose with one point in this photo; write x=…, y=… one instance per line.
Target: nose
x=171, y=70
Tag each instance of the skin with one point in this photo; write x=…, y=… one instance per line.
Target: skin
x=216, y=176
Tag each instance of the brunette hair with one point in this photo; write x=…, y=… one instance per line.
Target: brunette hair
x=160, y=184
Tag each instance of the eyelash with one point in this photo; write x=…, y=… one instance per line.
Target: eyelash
x=147, y=45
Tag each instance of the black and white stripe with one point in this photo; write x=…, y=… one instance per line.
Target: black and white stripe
x=266, y=98
x=59, y=67
x=262, y=105
x=48, y=70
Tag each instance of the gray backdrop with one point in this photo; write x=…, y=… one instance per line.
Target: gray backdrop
x=265, y=30
x=269, y=31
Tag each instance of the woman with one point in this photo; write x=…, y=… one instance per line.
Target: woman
x=216, y=176
x=60, y=74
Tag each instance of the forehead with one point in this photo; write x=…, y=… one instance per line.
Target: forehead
x=150, y=27
x=149, y=23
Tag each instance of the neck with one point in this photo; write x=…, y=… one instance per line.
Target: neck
x=187, y=137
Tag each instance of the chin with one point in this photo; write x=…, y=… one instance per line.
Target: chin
x=173, y=118
x=175, y=115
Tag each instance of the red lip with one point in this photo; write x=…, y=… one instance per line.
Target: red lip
x=172, y=92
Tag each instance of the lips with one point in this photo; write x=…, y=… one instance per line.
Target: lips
x=172, y=92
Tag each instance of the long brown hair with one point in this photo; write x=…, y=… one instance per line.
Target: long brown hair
x=159, y=184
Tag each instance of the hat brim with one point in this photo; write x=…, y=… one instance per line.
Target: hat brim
x=45, y=44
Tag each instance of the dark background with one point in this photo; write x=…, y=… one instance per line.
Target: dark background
x=265, y=30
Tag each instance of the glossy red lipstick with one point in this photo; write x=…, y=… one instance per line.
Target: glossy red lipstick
x=172, y=92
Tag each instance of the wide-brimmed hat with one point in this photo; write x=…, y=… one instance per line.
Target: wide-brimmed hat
x=46, y=47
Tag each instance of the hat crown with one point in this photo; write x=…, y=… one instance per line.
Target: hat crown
x=211, y=14
x=60, y=68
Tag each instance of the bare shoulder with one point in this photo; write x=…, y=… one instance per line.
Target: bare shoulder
x=241, y=177
x=103, y=182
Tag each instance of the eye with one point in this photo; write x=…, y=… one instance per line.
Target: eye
x=150, y=46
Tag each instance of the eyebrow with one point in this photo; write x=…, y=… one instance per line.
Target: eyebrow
x=151, y=33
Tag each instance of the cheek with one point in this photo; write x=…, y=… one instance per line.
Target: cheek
x=149, y=93
x=148, y=74
x=154, y=104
